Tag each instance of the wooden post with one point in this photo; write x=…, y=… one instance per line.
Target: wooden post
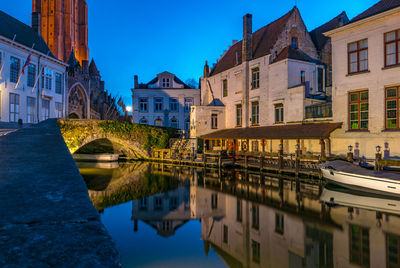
x=297, y=160
x=219, y=159
x=192, y=156
x=261, y=161
x=204, y=158
x=245, y=160
x=322, y=142
x=280, y=156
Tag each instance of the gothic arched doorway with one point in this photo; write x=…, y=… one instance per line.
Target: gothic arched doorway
x=77, y=102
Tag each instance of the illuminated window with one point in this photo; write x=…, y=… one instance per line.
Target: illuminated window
x=392, y=107
x=158, y=122
x=358, y=110
x=358, y=56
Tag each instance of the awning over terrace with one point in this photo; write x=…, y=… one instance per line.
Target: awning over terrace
x=299, y=131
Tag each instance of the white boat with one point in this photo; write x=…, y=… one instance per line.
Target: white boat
x=96, y=157
x=336, y=195
x=357, y=178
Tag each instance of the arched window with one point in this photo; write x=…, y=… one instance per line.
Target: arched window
x=143, y=121
x=158, y=122
x=174, y=122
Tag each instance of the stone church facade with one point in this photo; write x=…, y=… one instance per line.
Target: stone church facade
x=63, y=25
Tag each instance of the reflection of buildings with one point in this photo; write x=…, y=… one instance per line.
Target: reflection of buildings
x=64, y=27
x=275, y=223
x=165, y=212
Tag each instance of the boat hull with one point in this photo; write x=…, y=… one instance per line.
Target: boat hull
x=362, y=183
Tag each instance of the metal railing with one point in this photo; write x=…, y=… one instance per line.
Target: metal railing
x=319, y=110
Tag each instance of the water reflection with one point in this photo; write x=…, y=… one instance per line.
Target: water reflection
x=246, y=219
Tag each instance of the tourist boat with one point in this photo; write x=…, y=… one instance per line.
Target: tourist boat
x=96, y=157
x=358, y=178
x=336, y=195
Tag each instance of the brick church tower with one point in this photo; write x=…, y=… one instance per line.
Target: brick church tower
x=64, y=26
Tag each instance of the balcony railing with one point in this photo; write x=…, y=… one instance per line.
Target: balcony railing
x=319, y=110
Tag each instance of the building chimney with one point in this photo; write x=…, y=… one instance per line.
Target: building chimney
x=136, y=81
x=36, y=22
x=247, y=51
x=206, y=72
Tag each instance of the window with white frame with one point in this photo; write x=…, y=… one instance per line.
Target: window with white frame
x=59, y=110
x=143, y=105
x=59, y=83
x=165, y=82
x=47, y=78
x=279, y=113
x=174, y=122
x=188, y=104
x=45, y=109
x=14, y=69
x=158, y=105
x=255, y=78
x=31, y=75
x=255, y=112
x=358, y=56
x=173, y=105
x=14, y=107
x=392, y=48
x=30, y=111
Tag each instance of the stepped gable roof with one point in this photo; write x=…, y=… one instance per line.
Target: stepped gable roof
x=24, y=35
x=299, y=131
x=93, y=68
x=317, y=35
x=379, y=7
x=290, y=52
x=263, y=41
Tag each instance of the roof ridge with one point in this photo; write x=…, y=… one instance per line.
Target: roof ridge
x=322, y=25
x=379, y=7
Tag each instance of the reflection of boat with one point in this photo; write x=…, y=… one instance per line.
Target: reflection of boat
x=103, y=165
x=354, y=177
x=96, y=157
x=336, y=195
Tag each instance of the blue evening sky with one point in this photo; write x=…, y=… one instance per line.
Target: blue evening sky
x=128, y=37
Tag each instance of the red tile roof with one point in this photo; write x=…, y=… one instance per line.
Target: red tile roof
x=263, y=41
x=379, y=7
x=317, y=34
x=303, y=131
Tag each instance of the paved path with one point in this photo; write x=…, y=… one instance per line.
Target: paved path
x=46, y=217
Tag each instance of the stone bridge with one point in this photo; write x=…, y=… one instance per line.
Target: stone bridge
x=133, y=140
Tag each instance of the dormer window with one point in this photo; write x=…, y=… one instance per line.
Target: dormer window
x=165, y=82
x=294, y=42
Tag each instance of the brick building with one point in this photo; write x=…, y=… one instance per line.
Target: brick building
x=64, y=26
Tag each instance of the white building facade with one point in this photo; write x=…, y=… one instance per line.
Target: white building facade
x=366, y=82
x=164, y=101
x=270, y=78
x=32, y=80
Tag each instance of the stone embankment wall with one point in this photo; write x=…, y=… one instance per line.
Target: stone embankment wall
x=46, y=216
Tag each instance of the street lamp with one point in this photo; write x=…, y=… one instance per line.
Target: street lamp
x=378, y=149
x=129, y=109
x=350, y=148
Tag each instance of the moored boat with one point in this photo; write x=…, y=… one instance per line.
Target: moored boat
x=357, y=178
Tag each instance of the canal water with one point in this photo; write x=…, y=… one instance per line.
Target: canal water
x=167, y=216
